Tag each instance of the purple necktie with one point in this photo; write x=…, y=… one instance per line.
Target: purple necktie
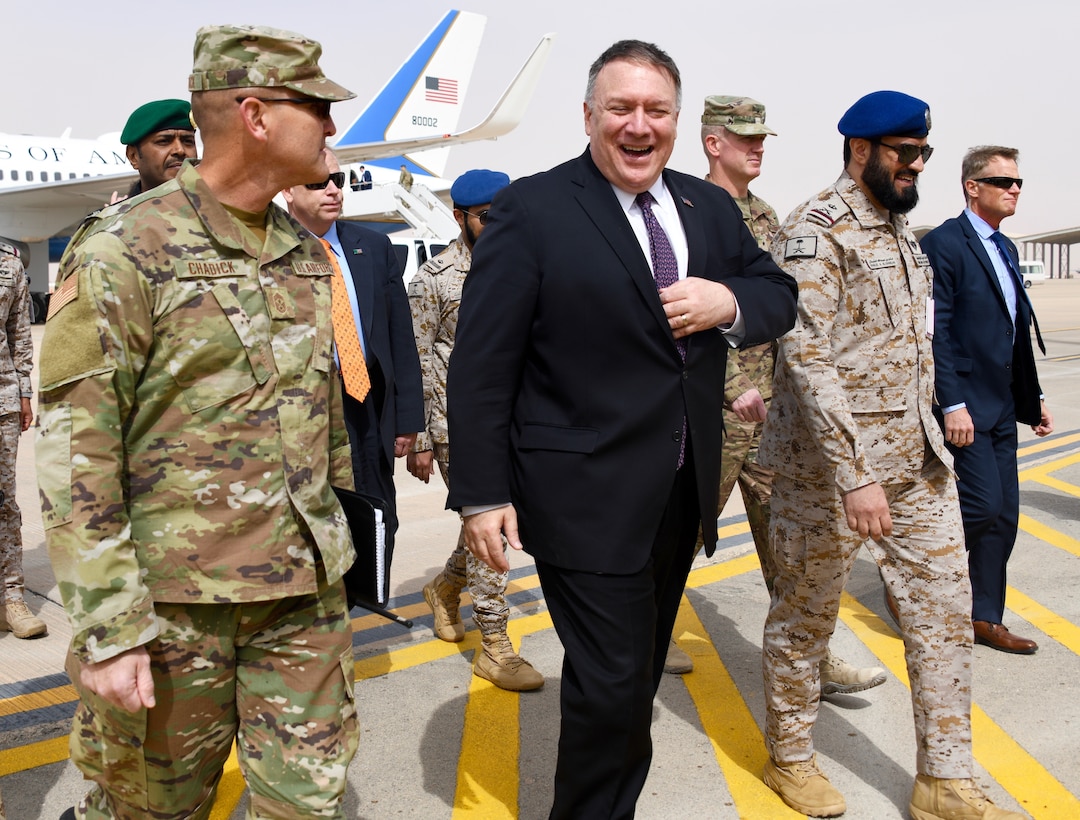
x=665, y=269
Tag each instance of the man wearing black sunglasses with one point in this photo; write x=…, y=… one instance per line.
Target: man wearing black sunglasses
x=383, y=420
x=854, y=447
x=986, y=379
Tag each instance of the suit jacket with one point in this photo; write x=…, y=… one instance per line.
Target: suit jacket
x=391, y=357
x=981, y=358
x=566, y=391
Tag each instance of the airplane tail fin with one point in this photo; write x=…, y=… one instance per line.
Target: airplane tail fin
x=424, y=98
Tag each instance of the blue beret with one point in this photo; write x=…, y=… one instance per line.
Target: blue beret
x=886, y=114
x=477, y=187
x=159, y=115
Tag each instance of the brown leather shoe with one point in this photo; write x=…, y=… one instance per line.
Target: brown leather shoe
x=996, y=636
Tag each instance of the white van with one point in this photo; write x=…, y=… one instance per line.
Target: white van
x=1031, y=271
x=414, y=251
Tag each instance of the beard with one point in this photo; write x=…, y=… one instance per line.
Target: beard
x=882, y=185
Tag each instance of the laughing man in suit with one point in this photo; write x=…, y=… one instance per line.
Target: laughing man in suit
x=585, y=402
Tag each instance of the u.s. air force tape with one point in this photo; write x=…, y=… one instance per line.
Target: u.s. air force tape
x=801, y=247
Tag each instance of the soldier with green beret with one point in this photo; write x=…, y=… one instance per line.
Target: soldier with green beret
x=159, y=136
x=191, y=431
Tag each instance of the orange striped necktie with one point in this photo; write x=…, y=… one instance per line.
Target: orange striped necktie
x=350, y=353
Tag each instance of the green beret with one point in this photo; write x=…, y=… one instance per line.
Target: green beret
x=159, y=115
x=259, y=57
x=739, y=115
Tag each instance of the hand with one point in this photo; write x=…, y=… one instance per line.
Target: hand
x=694, y=304
x=959, y=428
x=868, y=512
x=402, y=444
x=750, y=407
x=421, y=464
x=26, y=413
x=1043, y=429
x=484, y=535
x=124, y=680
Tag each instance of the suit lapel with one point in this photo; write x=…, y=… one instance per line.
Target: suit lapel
x=977, y=248
x=360, y=262
x=602, y=207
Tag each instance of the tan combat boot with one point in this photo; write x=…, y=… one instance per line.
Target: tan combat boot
x=804, y=787
x=677, y=661
x=19, y=620
x=444, y=601
x=497, y=662
x=840, y=677
x=940, y=799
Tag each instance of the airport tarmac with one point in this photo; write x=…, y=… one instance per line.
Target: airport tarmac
x=438, y=742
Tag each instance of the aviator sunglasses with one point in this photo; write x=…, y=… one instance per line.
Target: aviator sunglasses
x=338, y=178
x=482, y=216
x=908, y=152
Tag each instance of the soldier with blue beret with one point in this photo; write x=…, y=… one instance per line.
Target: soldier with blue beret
x=434, y=297
x=854, y=447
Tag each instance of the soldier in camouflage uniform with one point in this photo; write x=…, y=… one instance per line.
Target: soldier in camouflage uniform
x=190, y=430
x=733, y=135
x=16, y=360
x=435, y=296
x=859, y=459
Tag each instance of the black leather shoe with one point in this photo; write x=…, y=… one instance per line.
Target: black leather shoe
x=996, y=636
x=69, y=814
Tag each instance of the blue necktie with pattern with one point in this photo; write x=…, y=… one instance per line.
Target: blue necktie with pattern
x=998, y=238
x=665, y=268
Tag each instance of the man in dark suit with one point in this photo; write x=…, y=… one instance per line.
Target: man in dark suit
x=986, y=381
x=585, y=401
x=384, y=420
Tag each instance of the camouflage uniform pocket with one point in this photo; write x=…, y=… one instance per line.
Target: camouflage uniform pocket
x=53, y=451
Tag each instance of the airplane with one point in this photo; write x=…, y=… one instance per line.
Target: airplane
x=48, y=185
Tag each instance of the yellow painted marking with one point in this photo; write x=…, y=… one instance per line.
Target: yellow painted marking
x=1050, y=623
x=32, y=755
x=37, y=700
x=487, y=770
x=230, y=789
x=1005, y=760
x=704, y=576
x=1058, y=484
x=1042, y=444
x=1049, y=535
x=1045, y=469
x=735, y=737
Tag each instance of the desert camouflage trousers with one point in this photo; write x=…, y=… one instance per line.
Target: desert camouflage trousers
x=923, y=564
x=11, y=565
x=486, y=586
x=276, y=677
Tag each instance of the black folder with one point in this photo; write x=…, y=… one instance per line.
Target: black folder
x=368, y=580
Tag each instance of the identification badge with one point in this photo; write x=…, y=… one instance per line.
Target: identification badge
x=929, y=317
x=801, y=247
x=922, y=260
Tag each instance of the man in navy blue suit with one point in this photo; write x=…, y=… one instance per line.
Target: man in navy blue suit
x=986, y=381
x=383, y=423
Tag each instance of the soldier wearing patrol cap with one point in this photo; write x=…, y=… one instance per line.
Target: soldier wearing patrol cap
x=159, y=136
x=16, y=414
x=733, y=135
x=190, y=431
x=859, y=460
x=435, y=296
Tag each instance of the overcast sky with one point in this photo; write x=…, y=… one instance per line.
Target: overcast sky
x=994, y=71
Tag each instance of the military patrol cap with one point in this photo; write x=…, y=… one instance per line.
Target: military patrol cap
x=477, y=187
x=159, y=115
x=259, y=57
x=886, y=114
x=739, y=115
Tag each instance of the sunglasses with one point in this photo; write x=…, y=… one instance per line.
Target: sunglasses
x=482, y=216
x=908, y=152
x=1004, y=183
x=338, y=178
x=321, y=108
